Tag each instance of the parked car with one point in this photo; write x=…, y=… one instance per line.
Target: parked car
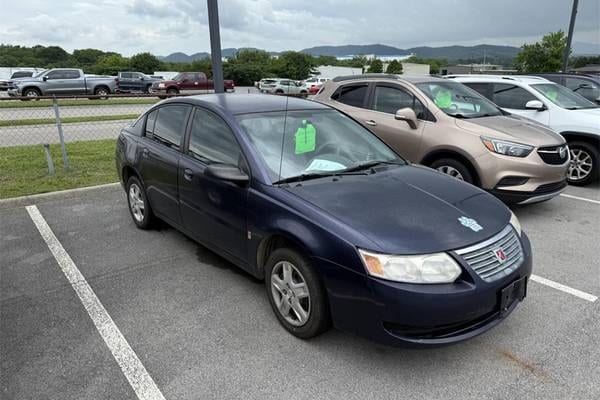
x=451, y=128
x=587, y=86
x=62, y=81
x=188, y=83
x=135, y=82
x=4, y=83
x=314, y=84
x=342, y=229
x=281, y=86
x=259, y=84
x=574, y=117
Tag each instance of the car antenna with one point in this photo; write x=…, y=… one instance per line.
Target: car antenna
x=287, y=99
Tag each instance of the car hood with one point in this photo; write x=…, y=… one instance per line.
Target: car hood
x=407, y=209
x=169, y=82
x=512, y=127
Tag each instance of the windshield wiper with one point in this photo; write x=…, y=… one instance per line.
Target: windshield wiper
x=369, y=164
x=305, y=177
x=459, y=116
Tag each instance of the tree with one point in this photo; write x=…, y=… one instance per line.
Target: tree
x=85, y=58
x=544, y=56
x=144, y=62
x=293, y=65
x=394, y=67
x=110, y=64
x=376, y=66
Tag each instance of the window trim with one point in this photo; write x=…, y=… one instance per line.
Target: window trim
x=185, y=150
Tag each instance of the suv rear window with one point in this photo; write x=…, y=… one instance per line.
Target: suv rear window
x=352, y=95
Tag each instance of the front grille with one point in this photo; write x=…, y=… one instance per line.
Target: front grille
x=496, y=257
x=552, y=155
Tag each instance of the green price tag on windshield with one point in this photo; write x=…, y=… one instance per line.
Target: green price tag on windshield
x=306, y=137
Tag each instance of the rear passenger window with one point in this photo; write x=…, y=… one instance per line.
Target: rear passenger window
x=211, y=140
x=168, y=124
x=511, y=96
x=353, y=95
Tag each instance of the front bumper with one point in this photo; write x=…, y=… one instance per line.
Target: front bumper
x=409, y=315
x=13, y=92
x=541, y=193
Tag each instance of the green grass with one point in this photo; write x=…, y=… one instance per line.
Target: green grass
x=25, y=171
x=74, y=103
x=66, y=120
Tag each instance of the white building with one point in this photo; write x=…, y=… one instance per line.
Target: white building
x=330, y=71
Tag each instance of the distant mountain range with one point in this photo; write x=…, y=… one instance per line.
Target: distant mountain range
x=450, y=53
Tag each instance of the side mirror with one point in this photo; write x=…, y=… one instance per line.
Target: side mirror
x=407, y=115
x=45, y=78
x=535, y=105
x=226, y=172
x=142, y=78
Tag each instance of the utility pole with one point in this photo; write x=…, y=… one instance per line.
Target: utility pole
x=570, y=36
x=215, y=46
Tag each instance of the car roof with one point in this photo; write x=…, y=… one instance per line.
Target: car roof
x=526, y=79
x=241, y=103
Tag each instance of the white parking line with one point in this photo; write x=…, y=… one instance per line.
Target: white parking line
x=139, y=379
x=563, y=288
x=579, y=198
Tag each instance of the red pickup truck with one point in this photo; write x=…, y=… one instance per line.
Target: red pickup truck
x=187, y=82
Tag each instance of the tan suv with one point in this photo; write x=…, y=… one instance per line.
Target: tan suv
x=451, y=128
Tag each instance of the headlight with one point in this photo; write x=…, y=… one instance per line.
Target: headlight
x=514, y=221
x=507, y=148
x=161, y=85
x=428, y=268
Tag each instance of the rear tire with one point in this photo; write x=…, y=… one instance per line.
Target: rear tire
x=102, y=92
x=453, y=168
x=139, y=207
x=584, y=167
x=296, y=294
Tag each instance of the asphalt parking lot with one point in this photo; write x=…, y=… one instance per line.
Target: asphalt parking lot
x=202, y=329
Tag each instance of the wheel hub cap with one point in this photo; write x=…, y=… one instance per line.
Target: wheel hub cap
x=580, y=166
x=290, y=293
x=136, y=202
x=453, y=172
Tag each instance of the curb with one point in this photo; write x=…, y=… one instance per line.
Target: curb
x=61, y=194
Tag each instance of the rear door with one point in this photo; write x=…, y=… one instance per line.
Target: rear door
x=386, y=99
x=159, y=155
x=125, y=81
x=213, y=210
x=352, y=99
x=514, y=98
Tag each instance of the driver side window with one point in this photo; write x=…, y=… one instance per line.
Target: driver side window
x=389, y=100
x=211, y=140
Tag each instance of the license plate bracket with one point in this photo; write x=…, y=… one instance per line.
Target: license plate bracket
x=516, y=291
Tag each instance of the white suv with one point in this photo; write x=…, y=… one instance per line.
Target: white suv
x=281, y=86
x=552, y=105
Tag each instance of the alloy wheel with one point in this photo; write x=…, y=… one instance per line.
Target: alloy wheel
x=581, y=164
x=448, y=170
x=136, y=202
x=290, y=293
x=31, y=93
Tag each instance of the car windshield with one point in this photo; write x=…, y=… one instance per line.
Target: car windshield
x=177, y=77
x=315, y=143
x=40, y=73
x=562, y=96
x=457, y=100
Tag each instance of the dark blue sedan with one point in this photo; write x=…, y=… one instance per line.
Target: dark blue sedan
x=342, y=229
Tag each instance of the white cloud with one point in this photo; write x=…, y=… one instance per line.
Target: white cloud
x=166, y=26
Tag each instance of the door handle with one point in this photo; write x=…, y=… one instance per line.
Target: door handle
x=370, y=122
x=145, y=153
x=188, y=174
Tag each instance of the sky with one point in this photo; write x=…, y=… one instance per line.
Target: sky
x=166, y=26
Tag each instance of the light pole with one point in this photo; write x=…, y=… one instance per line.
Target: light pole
x=570, y=36
x=215, y=46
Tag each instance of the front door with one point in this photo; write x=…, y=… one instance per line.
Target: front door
x=514, y=98
x=213, y=210
x=159, y=158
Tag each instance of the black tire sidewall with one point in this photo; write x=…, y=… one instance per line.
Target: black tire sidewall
x=147, y=221
x=594, y=153
x=460, y=167
x=319, y=319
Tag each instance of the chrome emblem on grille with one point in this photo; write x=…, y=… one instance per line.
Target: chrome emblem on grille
x=562, y=151
x=470, y=223
x=500, y=255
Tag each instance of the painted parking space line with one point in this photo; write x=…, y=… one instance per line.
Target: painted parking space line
x=569, y=196
x=133, y=369
x=564, y=288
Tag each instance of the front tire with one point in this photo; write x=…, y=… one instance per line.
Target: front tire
x=584, y=167
x=453, y=168
x=139, y=207
x=296, y=294
x=172, y=92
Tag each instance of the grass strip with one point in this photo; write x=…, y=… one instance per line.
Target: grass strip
x=74, y=103
x=25, y=171
x=66, y=120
